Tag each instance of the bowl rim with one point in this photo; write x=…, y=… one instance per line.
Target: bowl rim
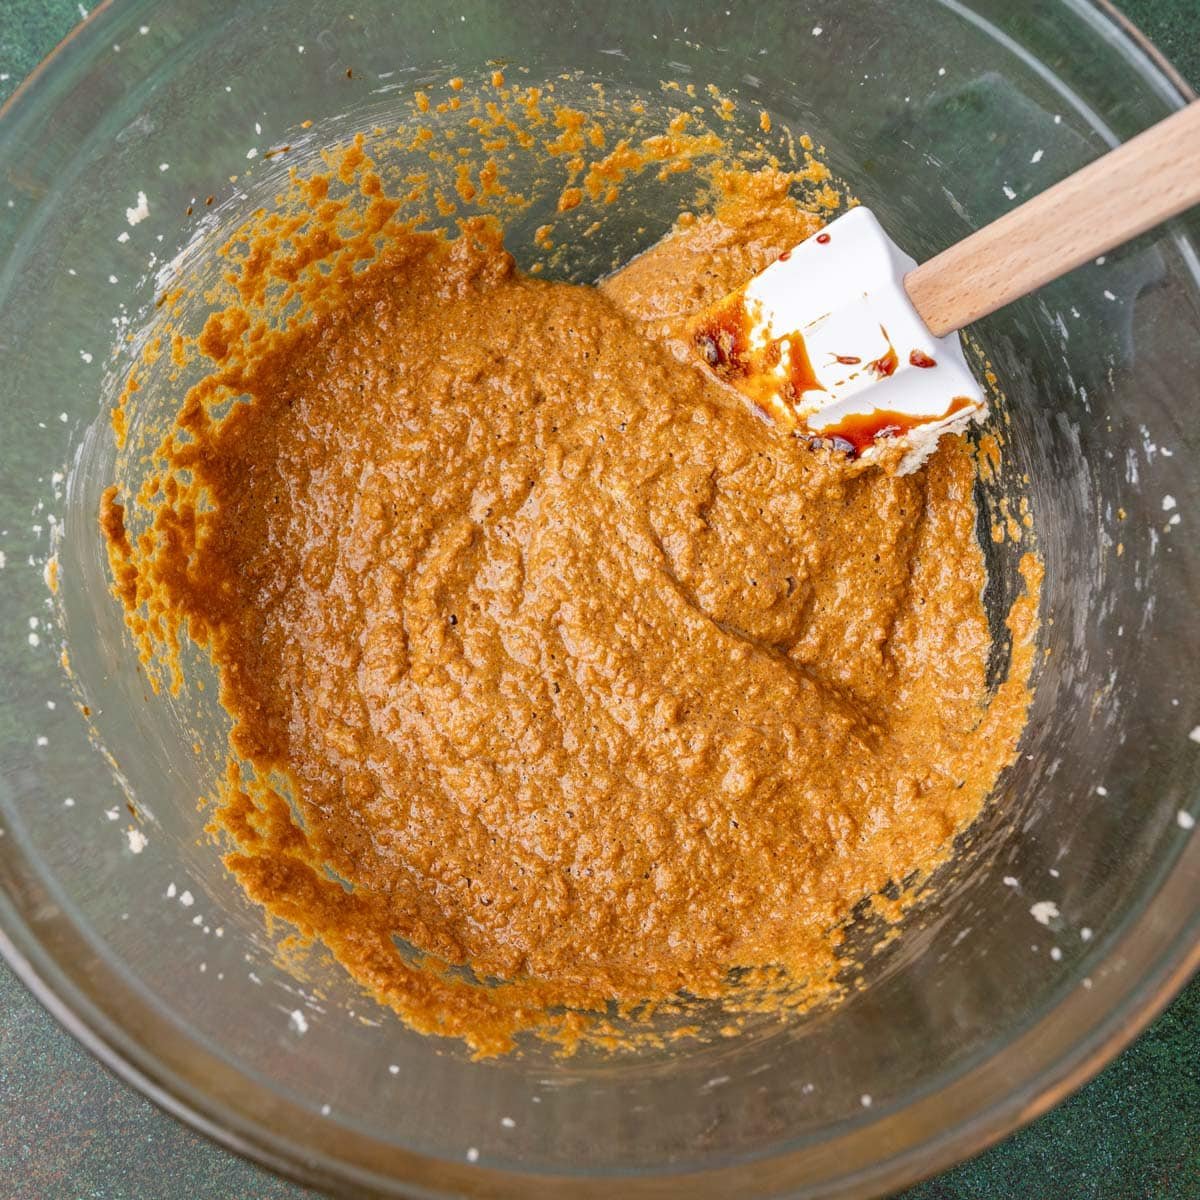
x=132, y=1064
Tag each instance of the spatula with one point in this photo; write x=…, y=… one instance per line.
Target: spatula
x=846, y=339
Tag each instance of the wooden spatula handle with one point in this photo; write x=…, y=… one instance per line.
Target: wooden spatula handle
x=1150, y=178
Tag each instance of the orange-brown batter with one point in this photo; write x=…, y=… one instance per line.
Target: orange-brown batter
x=583, y=675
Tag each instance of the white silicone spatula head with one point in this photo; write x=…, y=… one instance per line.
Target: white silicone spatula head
x=813, y=338
x=847, y=340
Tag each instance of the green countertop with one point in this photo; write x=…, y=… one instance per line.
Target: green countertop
x=70, y=1130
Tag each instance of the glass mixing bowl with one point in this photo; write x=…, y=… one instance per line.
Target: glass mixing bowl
x=942, y=114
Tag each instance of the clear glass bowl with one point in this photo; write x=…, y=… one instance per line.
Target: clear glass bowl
x=980, y=1017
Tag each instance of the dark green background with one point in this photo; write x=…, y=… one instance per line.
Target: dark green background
x=69, y=1130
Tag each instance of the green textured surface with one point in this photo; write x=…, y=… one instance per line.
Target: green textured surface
x=69, y=1129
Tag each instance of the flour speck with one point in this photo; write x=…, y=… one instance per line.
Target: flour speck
x=140, y=211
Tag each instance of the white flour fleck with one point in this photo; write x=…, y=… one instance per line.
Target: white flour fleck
x=1194, y=735
x=1011, y=881
x=472, y=1154
x=1044, y=911
x=186, y=899
x=1185, y=820
x=140, y=211
x=1037, y=156
x=1085, y=934
x=866, y=1101
x=137, y=840
x=298, y=1021
x=508, y=1122
x=113, y=814
x=1101, y=790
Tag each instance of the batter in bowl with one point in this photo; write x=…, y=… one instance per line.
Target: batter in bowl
x=583, y=676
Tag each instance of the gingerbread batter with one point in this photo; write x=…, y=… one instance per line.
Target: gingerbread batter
x=584, y=676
